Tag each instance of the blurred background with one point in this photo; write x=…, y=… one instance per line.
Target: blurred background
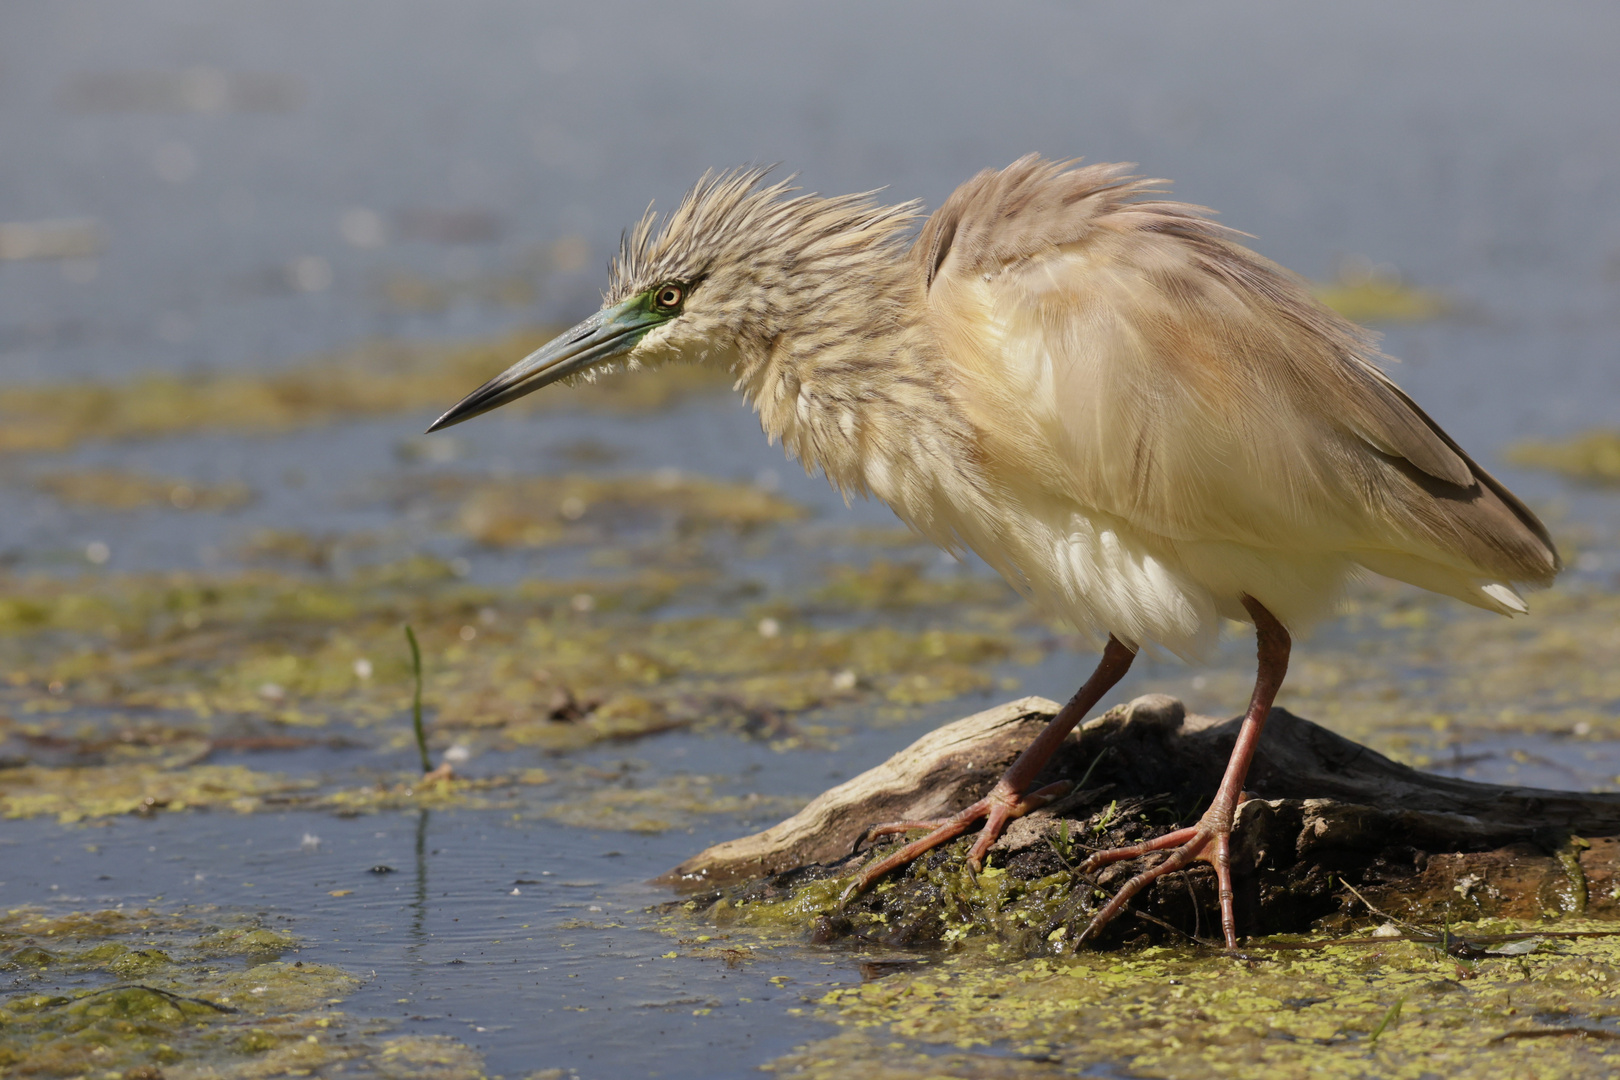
x=246, y=184
x=249, y=249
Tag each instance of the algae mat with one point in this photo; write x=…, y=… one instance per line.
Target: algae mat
x=374, y=378
x=120, y=691
x=1542, y=1008
x=144, y=994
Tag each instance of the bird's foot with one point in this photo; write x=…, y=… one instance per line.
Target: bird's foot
x=1186, y=846
x=997, y=809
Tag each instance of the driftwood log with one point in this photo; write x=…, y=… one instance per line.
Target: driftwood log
x=1332, y=828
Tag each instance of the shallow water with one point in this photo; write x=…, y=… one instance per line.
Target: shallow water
x=535, y=944
x=268, y=186
x=531, y=946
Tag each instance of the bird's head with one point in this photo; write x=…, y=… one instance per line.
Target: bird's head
x=728, y=266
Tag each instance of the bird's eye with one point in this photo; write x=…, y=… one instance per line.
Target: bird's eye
x=669, y=297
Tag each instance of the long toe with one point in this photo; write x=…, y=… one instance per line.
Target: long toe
x=947, y=832
x=1099, y=859
x=890, y=828
x=1186, y=846
x=1180, y=858
x=995, y=809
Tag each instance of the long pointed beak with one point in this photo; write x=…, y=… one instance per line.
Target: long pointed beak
x=609, y=333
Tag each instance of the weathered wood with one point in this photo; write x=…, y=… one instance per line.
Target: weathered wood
x=1325, y=810
x=945, y=769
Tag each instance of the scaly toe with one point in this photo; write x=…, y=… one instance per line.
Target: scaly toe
x=1179, y=859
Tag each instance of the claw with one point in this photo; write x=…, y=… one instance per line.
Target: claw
x=1007, y=800
x=1186, y=846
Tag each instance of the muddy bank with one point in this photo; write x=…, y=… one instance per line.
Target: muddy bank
x=1335, y=836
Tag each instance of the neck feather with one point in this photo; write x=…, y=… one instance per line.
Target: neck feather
x=849, y=377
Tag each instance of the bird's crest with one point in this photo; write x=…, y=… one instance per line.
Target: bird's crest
x=734, y=214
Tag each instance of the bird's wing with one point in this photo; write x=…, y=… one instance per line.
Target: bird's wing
x=1134, y=358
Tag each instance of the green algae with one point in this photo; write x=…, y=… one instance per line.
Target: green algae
x=372, y=379
x=501, y=791
x=1554, y=670
x=865, y=1053
x=287, y=649
x=1364, y=293
x=1031, y=908
x=1451, y=1000
x=588, y=799
x=887, y=585
x=133, y=680
x=120, y=489
x=118, y=688
x=298, y=652
x=406, y=291
x=540, y=511
x=299, y=550
x=1589, y=458
x=1272, y=1012
x=201, y=993
x=75, y=794
x=664, y=804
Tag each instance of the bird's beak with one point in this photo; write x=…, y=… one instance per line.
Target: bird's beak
x=609, y=333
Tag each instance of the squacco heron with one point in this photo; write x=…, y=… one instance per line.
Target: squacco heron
x=1140, y=423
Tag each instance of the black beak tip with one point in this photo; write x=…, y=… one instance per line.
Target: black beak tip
x=449, y=419
x=477, y=403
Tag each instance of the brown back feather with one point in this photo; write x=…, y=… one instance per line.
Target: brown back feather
x=1412, y=474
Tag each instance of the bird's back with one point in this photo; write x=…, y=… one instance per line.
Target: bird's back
x=1172, y=422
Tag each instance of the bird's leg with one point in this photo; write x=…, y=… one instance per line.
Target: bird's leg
x=1007, y=799
x=1272, y=645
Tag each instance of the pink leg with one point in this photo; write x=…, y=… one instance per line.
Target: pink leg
x=1273, y=644
x=1007, y=799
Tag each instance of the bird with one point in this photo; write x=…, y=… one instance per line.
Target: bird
x=1140, y=423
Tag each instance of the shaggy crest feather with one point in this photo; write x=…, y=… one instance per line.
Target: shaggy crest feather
x=731, y=216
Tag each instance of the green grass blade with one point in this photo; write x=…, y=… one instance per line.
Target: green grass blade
x=416, y=700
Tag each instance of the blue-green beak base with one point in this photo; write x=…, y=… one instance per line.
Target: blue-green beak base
x=602, y=338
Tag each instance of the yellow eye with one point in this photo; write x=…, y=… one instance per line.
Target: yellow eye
x=669, y=297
